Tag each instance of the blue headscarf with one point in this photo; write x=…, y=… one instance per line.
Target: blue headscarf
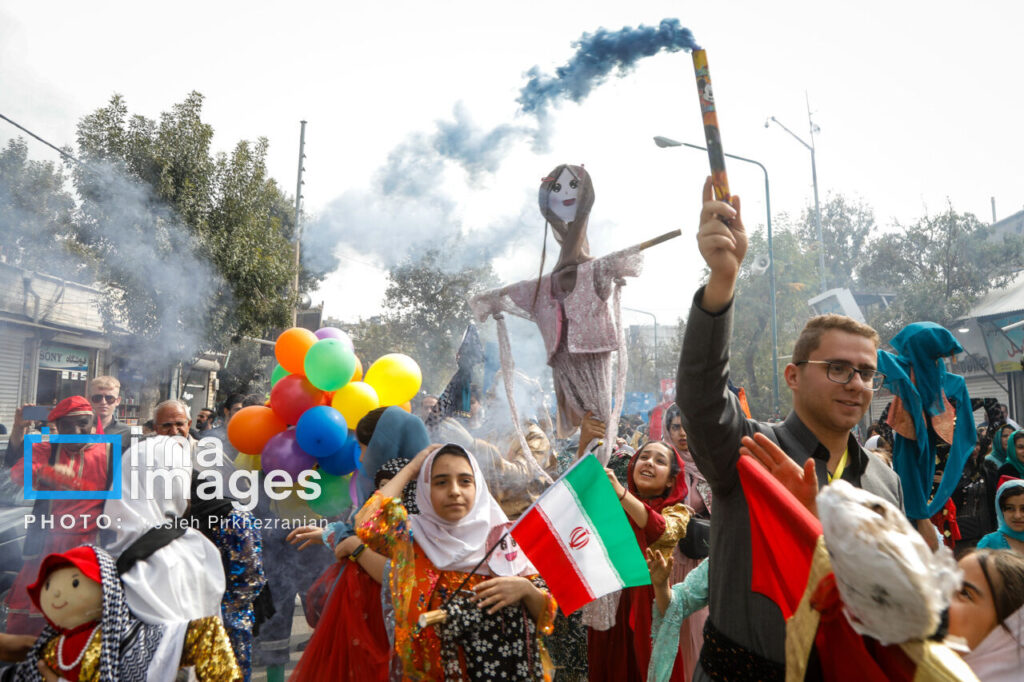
x=398, y=434
x=998, y=456
x=1004, y=528
x=921, y=346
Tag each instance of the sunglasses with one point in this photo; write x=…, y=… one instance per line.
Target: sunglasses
x=99, y=398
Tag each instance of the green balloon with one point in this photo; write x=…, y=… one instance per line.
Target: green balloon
x=329, y=364
x=278, y=373
x=334, y=497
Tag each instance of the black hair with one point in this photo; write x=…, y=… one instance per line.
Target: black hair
x=232, y=399
x=1009, y=566
x=1012, y=491
x=367, y=425
x=671, y=413
x=453, y=449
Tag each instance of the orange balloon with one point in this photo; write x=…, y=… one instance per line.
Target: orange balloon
x=407, y=406
x=251, y=428
x=358, y=376
x=290, y=349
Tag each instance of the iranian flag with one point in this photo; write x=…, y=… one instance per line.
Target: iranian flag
x=579, y=538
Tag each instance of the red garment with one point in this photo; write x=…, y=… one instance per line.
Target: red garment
x=656, y=430
x=69, y=407
x=623, y=653
x=350, y=641
x=74, y=521
x=945, y=521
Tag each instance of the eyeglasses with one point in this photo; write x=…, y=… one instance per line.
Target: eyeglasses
x=101, y=397
x=842, y=373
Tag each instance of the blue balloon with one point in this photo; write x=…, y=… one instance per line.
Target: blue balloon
x=321, y=431
x=342, y=462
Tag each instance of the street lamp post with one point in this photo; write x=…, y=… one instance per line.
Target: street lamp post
x=644, y=312
x=814, y=179
x=667, y=142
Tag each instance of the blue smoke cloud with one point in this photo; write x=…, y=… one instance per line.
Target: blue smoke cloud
x=596, y=56
x=411, y=208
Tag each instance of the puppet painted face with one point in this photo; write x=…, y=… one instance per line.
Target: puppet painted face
x=69, y=598
x=564, y=194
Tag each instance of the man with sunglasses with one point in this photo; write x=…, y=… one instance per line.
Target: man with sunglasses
x=832, y=377
x=104, y=394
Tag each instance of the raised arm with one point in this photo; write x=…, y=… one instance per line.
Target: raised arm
x=711, y=414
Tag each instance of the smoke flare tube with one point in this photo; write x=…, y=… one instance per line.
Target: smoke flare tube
x=712, y=137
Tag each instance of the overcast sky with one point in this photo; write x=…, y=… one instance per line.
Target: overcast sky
x=917, y=103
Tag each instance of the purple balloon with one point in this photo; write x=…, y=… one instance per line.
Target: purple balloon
x=283, y=453
x=335, y=333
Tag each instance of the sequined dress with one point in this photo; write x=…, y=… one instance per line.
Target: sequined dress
x=416, y=587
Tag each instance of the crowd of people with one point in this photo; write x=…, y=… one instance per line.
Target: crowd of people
x=215, y=577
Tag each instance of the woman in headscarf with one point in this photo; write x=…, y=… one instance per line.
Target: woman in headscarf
x=988, y=613
x=1010, y=515
x=496, y=609
x=1014, y=465
x=698, y=498
x=1000, y=440
x=973, y=499
x=62, y=467
x=653, y=502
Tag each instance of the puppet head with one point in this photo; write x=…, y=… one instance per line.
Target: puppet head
x=893, y=587
x=68, y=588
x=566, y=196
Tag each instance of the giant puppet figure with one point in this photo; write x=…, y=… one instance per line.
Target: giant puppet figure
x=576, y=308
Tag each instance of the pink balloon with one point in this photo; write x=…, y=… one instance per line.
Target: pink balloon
x=282, y=453
x=335, y=333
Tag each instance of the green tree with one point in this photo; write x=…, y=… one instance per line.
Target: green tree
x=425, y=312
x=36, y=216
x=847, y=227
x=796, y=275
x=193, y=248
x=938, y=267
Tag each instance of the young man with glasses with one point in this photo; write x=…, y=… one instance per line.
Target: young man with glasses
x=104, y=394
x=832, y=378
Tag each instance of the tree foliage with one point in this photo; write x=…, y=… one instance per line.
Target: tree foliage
x=425, y=312
x=167, y=221
x=36, y=214
x=938, y=267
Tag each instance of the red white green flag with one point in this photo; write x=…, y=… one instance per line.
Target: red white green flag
x=579, y=538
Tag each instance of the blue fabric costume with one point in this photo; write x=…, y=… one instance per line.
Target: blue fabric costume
x=687, y=597
x=921, y=347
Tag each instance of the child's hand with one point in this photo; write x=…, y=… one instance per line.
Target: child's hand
x=307, y=535
x=659, y=566
x=497, y=593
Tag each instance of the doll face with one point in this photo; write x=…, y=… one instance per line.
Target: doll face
x=70, y=599
x=562, y=199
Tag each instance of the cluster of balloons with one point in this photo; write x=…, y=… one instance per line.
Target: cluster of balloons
x=318, y=392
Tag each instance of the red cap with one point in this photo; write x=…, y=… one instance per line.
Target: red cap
x=83, y=558
x=1006, y=479
x=70, y=407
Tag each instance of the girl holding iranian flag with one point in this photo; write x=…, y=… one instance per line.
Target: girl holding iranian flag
x=653, y=502
x=496, y=608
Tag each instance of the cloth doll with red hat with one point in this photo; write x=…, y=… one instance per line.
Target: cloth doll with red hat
x=92, y=635
x=68, y=523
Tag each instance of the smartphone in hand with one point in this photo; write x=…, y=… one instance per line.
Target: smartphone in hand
x=36, y=413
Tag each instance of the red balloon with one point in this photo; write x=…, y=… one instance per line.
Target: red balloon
x=292, y=395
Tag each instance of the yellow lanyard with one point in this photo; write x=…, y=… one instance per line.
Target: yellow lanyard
x=839, y=467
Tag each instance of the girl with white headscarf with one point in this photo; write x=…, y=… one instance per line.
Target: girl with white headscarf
x=496, y=607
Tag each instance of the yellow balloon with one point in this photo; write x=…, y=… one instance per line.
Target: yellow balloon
x=354, y=400
x=395, y=377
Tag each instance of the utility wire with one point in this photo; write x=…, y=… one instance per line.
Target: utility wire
x=48, y=144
